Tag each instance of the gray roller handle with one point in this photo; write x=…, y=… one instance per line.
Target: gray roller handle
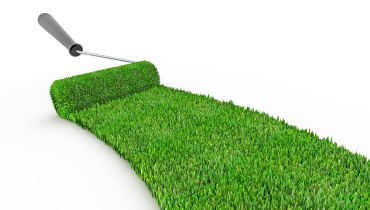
x=51, y=25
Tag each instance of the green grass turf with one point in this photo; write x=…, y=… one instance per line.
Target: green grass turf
x=195, y=152
x=82, y=91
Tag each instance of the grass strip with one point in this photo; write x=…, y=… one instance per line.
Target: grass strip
x=195, y=152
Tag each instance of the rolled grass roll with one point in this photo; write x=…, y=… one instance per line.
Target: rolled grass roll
x=82, y=91
x=196, y=152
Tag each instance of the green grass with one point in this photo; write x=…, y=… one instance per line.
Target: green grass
x=82, y=91
x=195, y=152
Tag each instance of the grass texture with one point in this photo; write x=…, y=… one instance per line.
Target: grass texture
x=82, y=91
x=195, y=152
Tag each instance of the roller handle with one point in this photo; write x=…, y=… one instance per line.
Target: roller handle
x=51, y=25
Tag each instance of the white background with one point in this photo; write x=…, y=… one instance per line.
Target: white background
x=305, y=62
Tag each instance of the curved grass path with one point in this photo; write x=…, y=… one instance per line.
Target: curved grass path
x=195, y=152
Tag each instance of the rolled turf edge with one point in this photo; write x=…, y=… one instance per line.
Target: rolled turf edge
x=78, y=92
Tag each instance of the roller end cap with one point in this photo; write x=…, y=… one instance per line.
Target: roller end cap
x=73, y=50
